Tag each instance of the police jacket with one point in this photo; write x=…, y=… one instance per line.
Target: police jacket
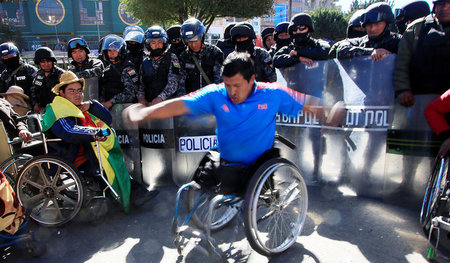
x=90, y=68
x=264, y=71
x=210, y=58
x=72, y=136
x=423, y=60
x=136, y=59
x=159, y=77
x=364, y=46
x=41, y=91
x=314, y=49
x=119, y=83
x=23, y=78
x=226, y=46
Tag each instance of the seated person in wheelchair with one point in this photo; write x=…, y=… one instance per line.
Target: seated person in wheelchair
x=77, y=123
x=438, y=116
x=12, y=125
x=245, y=112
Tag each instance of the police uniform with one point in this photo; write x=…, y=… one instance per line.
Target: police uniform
x=23, y=78
x=89, y=68
x=119, y=83
x=264, y=71
x=210, y=59
x=364, y=46
x=314, y=49
x=41, y=91
x=160, y=77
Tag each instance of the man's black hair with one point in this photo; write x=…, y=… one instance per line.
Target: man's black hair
x=238, y=62
x=63, y=88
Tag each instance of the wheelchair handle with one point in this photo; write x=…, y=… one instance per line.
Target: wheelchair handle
x=285, y=141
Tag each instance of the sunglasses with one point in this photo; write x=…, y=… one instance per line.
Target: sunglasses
x=300, y=27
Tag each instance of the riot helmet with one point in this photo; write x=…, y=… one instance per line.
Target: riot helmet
x=226, y=33
x=441, y=16
x=301, y=19
x=152, y=33
x=10, y=50
x=279, y=29
x=243, y=30
x=116, y=43
x=354, y=24
x=267, y=32
x=44, y=53
x=192, y=30
x=410, y=12
x=134, y=37
x=173, y=33
x=377, y=12
x=75, y=43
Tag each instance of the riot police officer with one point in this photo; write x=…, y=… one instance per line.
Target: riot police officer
x=303, y=48
x=226, y=45
x=354, y=30
x=243, y=36
x=267, y=38
x=81, y=64
x=119, y=83
x=423, y=60
x=134, y=37
x=176, y=44
x=160, y=70
x=16, y=72
x=281, y=37
x=200, y=61
x=410, y=12
x=379, y=41
x=46, y=78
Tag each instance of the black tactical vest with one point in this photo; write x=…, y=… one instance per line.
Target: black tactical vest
x=259, y=66
x=155, y=80
x=430, y=63
x=111, y=82
x=194, y=79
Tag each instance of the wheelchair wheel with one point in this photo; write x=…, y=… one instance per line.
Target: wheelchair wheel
x=51, y=189
x=221, y=216
x=12, y=166
x=275, y=207
x=433, y=203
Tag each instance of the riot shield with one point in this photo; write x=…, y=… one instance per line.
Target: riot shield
x=129, y=142
x=157, y=151
x=194, y=136
x=91, y=89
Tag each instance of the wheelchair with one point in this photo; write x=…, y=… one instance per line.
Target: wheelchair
x=435, y=211
x=50, y=188
x=272, y=209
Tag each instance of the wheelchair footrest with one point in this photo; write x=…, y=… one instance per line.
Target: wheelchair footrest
x=441, y=222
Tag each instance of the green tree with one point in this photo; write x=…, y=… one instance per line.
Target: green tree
x=329, y=24
x=166, y=12
x=361, y=5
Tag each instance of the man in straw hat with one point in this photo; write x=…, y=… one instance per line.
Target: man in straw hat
x=19, y=101
x=75, y=121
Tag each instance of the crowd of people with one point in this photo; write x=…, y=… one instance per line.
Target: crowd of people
x=155, y=65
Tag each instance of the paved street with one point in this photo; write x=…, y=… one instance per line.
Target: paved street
x=338, y=228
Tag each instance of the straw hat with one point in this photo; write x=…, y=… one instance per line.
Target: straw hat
x=67, y=78
x=16, y=90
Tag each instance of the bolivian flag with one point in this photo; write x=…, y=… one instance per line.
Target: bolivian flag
x=110, y=151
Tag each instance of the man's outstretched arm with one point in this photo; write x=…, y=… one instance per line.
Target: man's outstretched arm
x=138, y=113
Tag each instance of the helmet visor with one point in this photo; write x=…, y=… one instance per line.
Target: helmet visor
x=136, y=36
x=77, y=43
x=189, y=36
x=113, y=42
x=371, y=17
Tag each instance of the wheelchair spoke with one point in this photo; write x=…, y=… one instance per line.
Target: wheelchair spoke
x=31, y=199
x=56, y=176
x=65, y=186
x=34, y=184
x=43, y=174
x=66, y=199
x=58, y=209
x=43, y=207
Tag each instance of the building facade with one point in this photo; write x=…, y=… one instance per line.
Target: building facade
x=53, y=22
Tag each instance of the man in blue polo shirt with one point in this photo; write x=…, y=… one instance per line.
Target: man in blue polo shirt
x=245, y=112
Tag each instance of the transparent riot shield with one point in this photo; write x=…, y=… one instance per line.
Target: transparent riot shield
x=411, y=151
x=129, y=142
x=91, y=89
x=194, y=136
x=354, y=155
x=157, y=150
x=304, y=130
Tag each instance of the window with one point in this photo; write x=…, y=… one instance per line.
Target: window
x=50, y=12
x=87, y=17
x=17, y=20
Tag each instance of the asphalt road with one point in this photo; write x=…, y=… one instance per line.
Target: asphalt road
x=338, y=228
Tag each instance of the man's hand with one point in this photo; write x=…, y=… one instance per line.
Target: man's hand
x=445, y=148
x=293, y=53
x=133, y=114
x=25, y=135
x=143, y=101
x=100, y=139
x=84, y=106
x=406, y=99
x=36, y=108
x=379, y=54
x=156, y=101
x=107, y=104
x=307, y=61
x=337, y=114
